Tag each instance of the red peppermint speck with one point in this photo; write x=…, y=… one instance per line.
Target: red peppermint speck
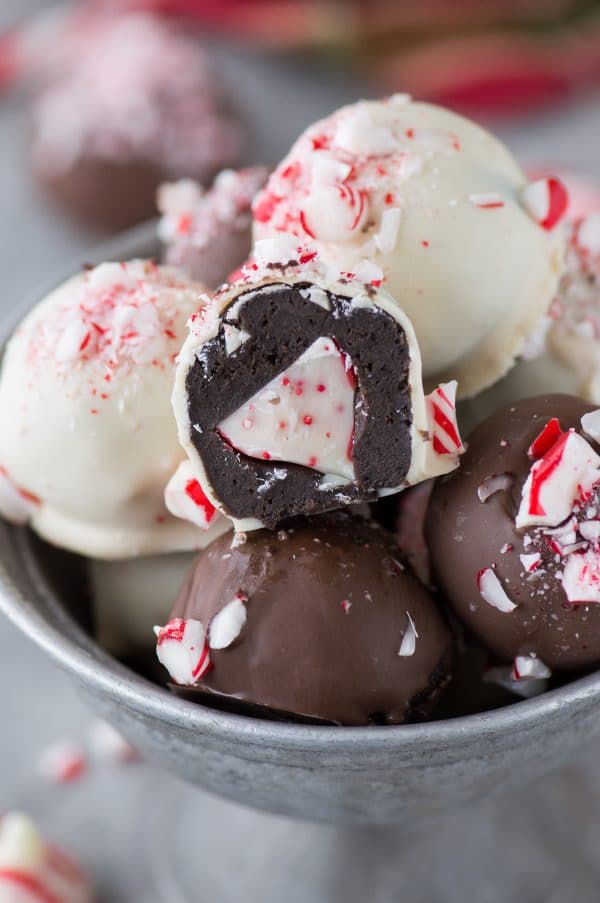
x=265, y=209
x=410, y=133
x=185, y=224
x=321, y=387
x=345, y=605
x=321, y=142
x=285, y=381
x=306, y=258
x=312, y=461
x=94, y=411
x=307, y=419
x=425, y=243
x=85, y=341
x=305, y=225
x=170, y=334
x=292, y=171
x=161, y=518
x=328, y=435
x=299, y=390
x=389, y=198
x=266, y=456
x=282, y=425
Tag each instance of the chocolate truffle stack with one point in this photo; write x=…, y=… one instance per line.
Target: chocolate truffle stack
x=299, y=391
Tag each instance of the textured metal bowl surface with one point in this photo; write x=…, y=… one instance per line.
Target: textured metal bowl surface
x=373, y=775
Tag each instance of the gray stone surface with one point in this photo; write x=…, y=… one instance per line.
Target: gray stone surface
x=537, y=847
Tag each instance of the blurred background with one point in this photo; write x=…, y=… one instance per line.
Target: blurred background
x=259, y=72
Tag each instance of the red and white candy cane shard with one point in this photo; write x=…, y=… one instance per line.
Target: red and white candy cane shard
x=546, y=439
x=182, y=648
x=227, y=625
x=492, y=591
x=531, y=562
x=63, y=762
x=496, y=482
x=443, y=425
x=563, y=478
x=590, y=424
x=581, y=577
x=546, y=201
x=185, y=498
x=409, y=640
x=530, y=667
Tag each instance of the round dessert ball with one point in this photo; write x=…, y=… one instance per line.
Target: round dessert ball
x=209, y=233
x=319, y=621
x=514, y=534
x=88, y=440
x=132, y=104
x=299, y=394
x=469, y=249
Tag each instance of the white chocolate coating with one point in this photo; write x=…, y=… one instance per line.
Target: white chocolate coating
x=436, y=202
x=425, y=461
x=88, y=438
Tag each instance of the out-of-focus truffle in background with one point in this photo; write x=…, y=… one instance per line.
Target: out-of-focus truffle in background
x=476, y=56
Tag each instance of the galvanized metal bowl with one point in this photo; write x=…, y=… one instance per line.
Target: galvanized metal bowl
x=378, y=775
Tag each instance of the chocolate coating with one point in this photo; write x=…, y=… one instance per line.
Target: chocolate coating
x=302, y=653
x=466, y=535
x=282, y=324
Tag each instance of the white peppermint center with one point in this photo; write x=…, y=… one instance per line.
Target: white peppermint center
x=304, y=415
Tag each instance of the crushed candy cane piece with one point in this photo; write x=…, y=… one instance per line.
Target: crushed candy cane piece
x=546, y=201
x=409, y=639
x=581, y=578
x=590, y=424
x=530, y=667
x=546, y=439
x=492, y=591
x=443, y=425
x=185, y=498
x=227, y=625
x=497, y=482
x=567, y=474
x=63, y=762
x=488, y=201
x=181, y=647
x=531, y=562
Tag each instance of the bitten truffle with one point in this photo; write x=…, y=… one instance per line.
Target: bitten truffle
x=514, y=535
x=318, y=621
x=297, y=395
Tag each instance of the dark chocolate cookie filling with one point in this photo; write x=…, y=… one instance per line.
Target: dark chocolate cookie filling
x=282, y=325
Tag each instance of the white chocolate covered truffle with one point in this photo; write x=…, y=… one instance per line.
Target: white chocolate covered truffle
x=88, y=440
x=466, y=247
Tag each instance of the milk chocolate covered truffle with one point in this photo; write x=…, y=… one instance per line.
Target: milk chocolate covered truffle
x=133, y=104
x=295, y=396
x=87, y=436
x=209, y=234
x=318, y=621
x=469, y=249
x=514, y=535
